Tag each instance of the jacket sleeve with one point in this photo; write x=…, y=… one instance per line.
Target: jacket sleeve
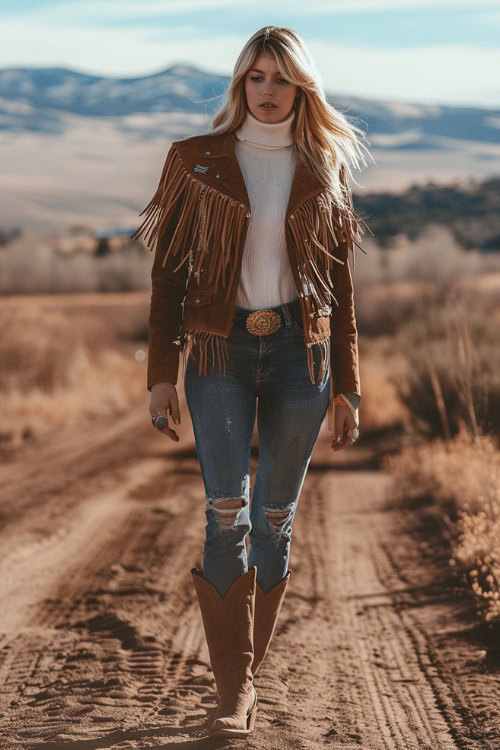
x=168, y=290
x=344, y=333
x=353, y=398
x=168, y=277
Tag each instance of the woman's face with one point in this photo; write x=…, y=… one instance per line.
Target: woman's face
x=265, y=84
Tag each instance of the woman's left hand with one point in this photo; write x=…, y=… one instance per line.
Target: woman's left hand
x=345, y=423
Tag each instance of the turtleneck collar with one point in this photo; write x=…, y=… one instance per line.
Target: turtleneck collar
x=269, y=135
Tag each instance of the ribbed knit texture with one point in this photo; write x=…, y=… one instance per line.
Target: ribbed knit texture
x=268, y=168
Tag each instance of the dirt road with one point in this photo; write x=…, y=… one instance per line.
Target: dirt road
x=101, y=642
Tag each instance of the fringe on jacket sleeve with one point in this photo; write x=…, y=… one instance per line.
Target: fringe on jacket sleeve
x=168, y=279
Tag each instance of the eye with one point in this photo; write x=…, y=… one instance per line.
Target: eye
x=259, y=78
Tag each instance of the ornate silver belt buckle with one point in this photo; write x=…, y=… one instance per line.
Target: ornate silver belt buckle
x=263, y=322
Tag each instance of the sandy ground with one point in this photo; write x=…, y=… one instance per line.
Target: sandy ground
x=101, y=640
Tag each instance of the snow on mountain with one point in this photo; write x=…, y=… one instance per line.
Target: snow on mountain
x=89, y=149
x=31, y=98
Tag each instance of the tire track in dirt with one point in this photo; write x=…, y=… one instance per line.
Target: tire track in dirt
x=438, y=617
x=101, y=640
x=364, y=637
x=98, y=574
x=46, y=482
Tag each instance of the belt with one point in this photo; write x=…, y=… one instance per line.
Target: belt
x=268, y=320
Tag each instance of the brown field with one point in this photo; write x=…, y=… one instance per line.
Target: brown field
x=388, y=637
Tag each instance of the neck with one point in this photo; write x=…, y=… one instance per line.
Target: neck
x=266, y=134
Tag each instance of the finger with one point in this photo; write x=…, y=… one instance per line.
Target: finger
x=338, y=442
x=166, y=430
x=157, y=408
x=342, y=441
x=175, y=411
x=338, y=446
x=340, y=425
x=170, y=433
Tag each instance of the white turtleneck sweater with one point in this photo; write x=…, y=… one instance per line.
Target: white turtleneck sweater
x=264, y=153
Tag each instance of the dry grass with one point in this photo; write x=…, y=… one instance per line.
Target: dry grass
x=453, y=365
x=463, y=476
x=452, y=374
x=59, y=368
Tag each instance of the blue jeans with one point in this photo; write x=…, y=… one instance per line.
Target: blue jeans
x=265, y=376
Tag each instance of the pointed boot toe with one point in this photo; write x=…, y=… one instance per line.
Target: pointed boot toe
x=239, y=719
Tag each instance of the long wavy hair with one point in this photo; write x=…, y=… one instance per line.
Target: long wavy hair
x=322, y=136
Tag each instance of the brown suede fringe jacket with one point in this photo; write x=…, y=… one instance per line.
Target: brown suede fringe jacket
x=197, y=222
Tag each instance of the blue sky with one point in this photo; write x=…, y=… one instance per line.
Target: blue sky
x=441, y=52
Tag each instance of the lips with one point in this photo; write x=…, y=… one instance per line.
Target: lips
x=268, y=106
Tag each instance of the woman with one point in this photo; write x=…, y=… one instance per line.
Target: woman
x=252, y=224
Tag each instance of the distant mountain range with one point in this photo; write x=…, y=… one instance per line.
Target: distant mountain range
x=82, y=148
x=33, y=99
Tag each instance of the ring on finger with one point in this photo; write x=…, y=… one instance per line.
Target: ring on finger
x=160, y=420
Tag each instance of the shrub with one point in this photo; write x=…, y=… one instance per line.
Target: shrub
x=453, y=371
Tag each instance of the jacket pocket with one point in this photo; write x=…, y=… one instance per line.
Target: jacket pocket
x=198, y=299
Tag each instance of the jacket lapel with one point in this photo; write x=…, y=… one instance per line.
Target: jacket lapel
x=218, y=152
x=305, y=184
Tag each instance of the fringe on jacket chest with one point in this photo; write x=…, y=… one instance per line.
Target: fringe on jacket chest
x=209, y=227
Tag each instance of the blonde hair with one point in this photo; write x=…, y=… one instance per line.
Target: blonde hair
x=323, y=137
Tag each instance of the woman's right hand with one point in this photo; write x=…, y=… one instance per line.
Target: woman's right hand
x=164, y=398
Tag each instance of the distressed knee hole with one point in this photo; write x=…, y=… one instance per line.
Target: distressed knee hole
x=278, y=516
x=227, y=510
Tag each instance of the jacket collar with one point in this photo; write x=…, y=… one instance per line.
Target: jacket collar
x=218, y=153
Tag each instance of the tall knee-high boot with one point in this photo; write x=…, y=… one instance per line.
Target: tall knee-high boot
x=267, y=610
x=229, y=623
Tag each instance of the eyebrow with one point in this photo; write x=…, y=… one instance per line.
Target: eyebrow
x=263, y=71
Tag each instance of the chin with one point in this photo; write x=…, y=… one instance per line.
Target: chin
x=263, y=113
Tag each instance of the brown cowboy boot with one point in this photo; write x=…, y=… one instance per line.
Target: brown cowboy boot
x=267, y=610
x=228, y=624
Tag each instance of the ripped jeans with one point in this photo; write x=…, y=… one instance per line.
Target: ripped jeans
x=265, y=376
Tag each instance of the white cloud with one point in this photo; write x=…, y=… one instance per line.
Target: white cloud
x=440, y=74
x=133, y=9
x=451, y=74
